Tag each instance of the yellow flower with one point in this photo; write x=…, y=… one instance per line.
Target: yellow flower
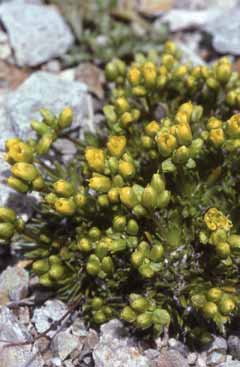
x=65, y=118
x=152, y=128
x=217, y=137
x=100, y=183
x=166, y=143
x=214, y=123
x=63, y=188
x=215, y=219
x=134, y=75
x=149, y=73
x=126, y=169
x=95, y=159
x=233, y=126
x=128, y=197
x=65, y=206
x=25, y=171
x=116, y=145
x=184, y=134
x=20, y=152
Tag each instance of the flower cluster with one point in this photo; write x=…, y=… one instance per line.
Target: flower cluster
x=143, y=222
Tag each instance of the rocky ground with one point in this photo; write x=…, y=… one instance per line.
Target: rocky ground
x=36, y=332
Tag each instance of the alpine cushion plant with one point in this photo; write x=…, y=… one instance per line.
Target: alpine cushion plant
x=143, y=223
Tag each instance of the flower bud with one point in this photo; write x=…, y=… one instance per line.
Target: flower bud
x=184, y=134
x=100, y=183
x=80, y=200
x=38, y=183
x=126, y=169
x=214, y=294
x=168, y=61
x=63, y=188
x=107, y=265
x=45, y=280
x=134, y=75
x=132, y=227
x=111, y=71
x=118, y=245
x=144, y=320
x=234, y=242
x=65, y=118
x=231, y=98
x=137, y=258
x=119, y=223
x=110, y=114
x=166, y=143
x=233, y=126
x=95, y=159
x=212, y=84
x=214, y=123
x=146, y=271
x=48, y=117
x=223, y=249
x=122, y=105
x=139, y=303
x=97, y=303
x=50, y=198
x=40, y=266
x=139, y=211
x=99, y=317
x=170, y=48
x=149, y=198
x=6, y=230
x=103, y=201
x=146, y=141
x=218, y=236
x=113, y=195
x=161, y=316
x=196, y=147
x=223, y=73
x=84, y=245
x=94, y=233
x=198, y=301
x=139, y=91
x=116, y=145
x=149, y=74
x=128, y=314
x=40, y=127
x=163, y=199
x=54, y=259
x=93, y=266
x=57, y=272
x=25, y=171
x=226, y=306
x=156, y=253
x=158, y=182
x=216, y=136
x=45, y=143
x=210, y=309
x=7, y=215
x=128, y=197
x=152, y=128
x=181, y=155
x=65, y=206
x=126, y=119
x=20, y=152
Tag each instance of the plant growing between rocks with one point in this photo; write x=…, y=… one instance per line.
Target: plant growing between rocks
x=143, y=223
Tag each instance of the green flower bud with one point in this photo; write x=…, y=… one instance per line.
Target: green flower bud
x=54, y=259
x=152, y=128
x=166, y=143
x=158, y=182
x=84, y=245
x=94, y=233
x=99, y=317
x=45, y=280
x=107, y=311
x=107, y=265
x=139, y=211
x=163, y=199
x=38, y=183
x=57, y=272
x=93, y=266
x=65, y=206
x=128, y=197
x=217, y=236
x=25, y=171
x=168, y=61
x=128, y=314
x=146, y=271
x=227, y=306
x=7, y=215
x=103, y=201
x=100, y=183
x=210, y=309
x=181, y=155
x=196, y=114
x=80, y=200
x=119, y=223
x=110, y=114
x=149, y=74
x=118, y=245
x=40, y=127
x=223, y=249
x=223, y=73
x=231, y=98
x=234, y=242
x=139, y=304
x=113, y=165
x=149, y=198
x=144, y=320
x=40, y=266
x=113, y=195
x=198, y=301
x=161, y=317
x=6, y=230
x=137, y=258
x=65, y=118
x=214, y=294
x=50, y=198
x=139, y=91
x=196, y=147
x=118, y=181
x=212, y=84
x=156, y=253
x=111, y=71
x=97, y=303
x=146, y=141
x=132, y=227
x=49, y=117
x=63, y=188
x=45, y=143
x=122, y=105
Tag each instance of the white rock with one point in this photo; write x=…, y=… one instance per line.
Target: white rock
x=37, y=33
x=116, y=349
x=12, y=331
x=44, y=316
x=13, y=284
x=45, y=90
x=65, y=343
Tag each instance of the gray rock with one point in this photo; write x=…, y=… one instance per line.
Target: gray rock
x=115, y=348
x=179, y=19
x=11, y=331
x=5, y=49
x=13, y=284
x=234, y=346
x=226, y=32
x=44, y=316
x=215, y=358
x=65, y=343
x=230, y=364
x=151, y=353
x=46, y=90
x=178, y=346
x=171, y=358
x=37, y=33
x=192, y=358
x=218, y=344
